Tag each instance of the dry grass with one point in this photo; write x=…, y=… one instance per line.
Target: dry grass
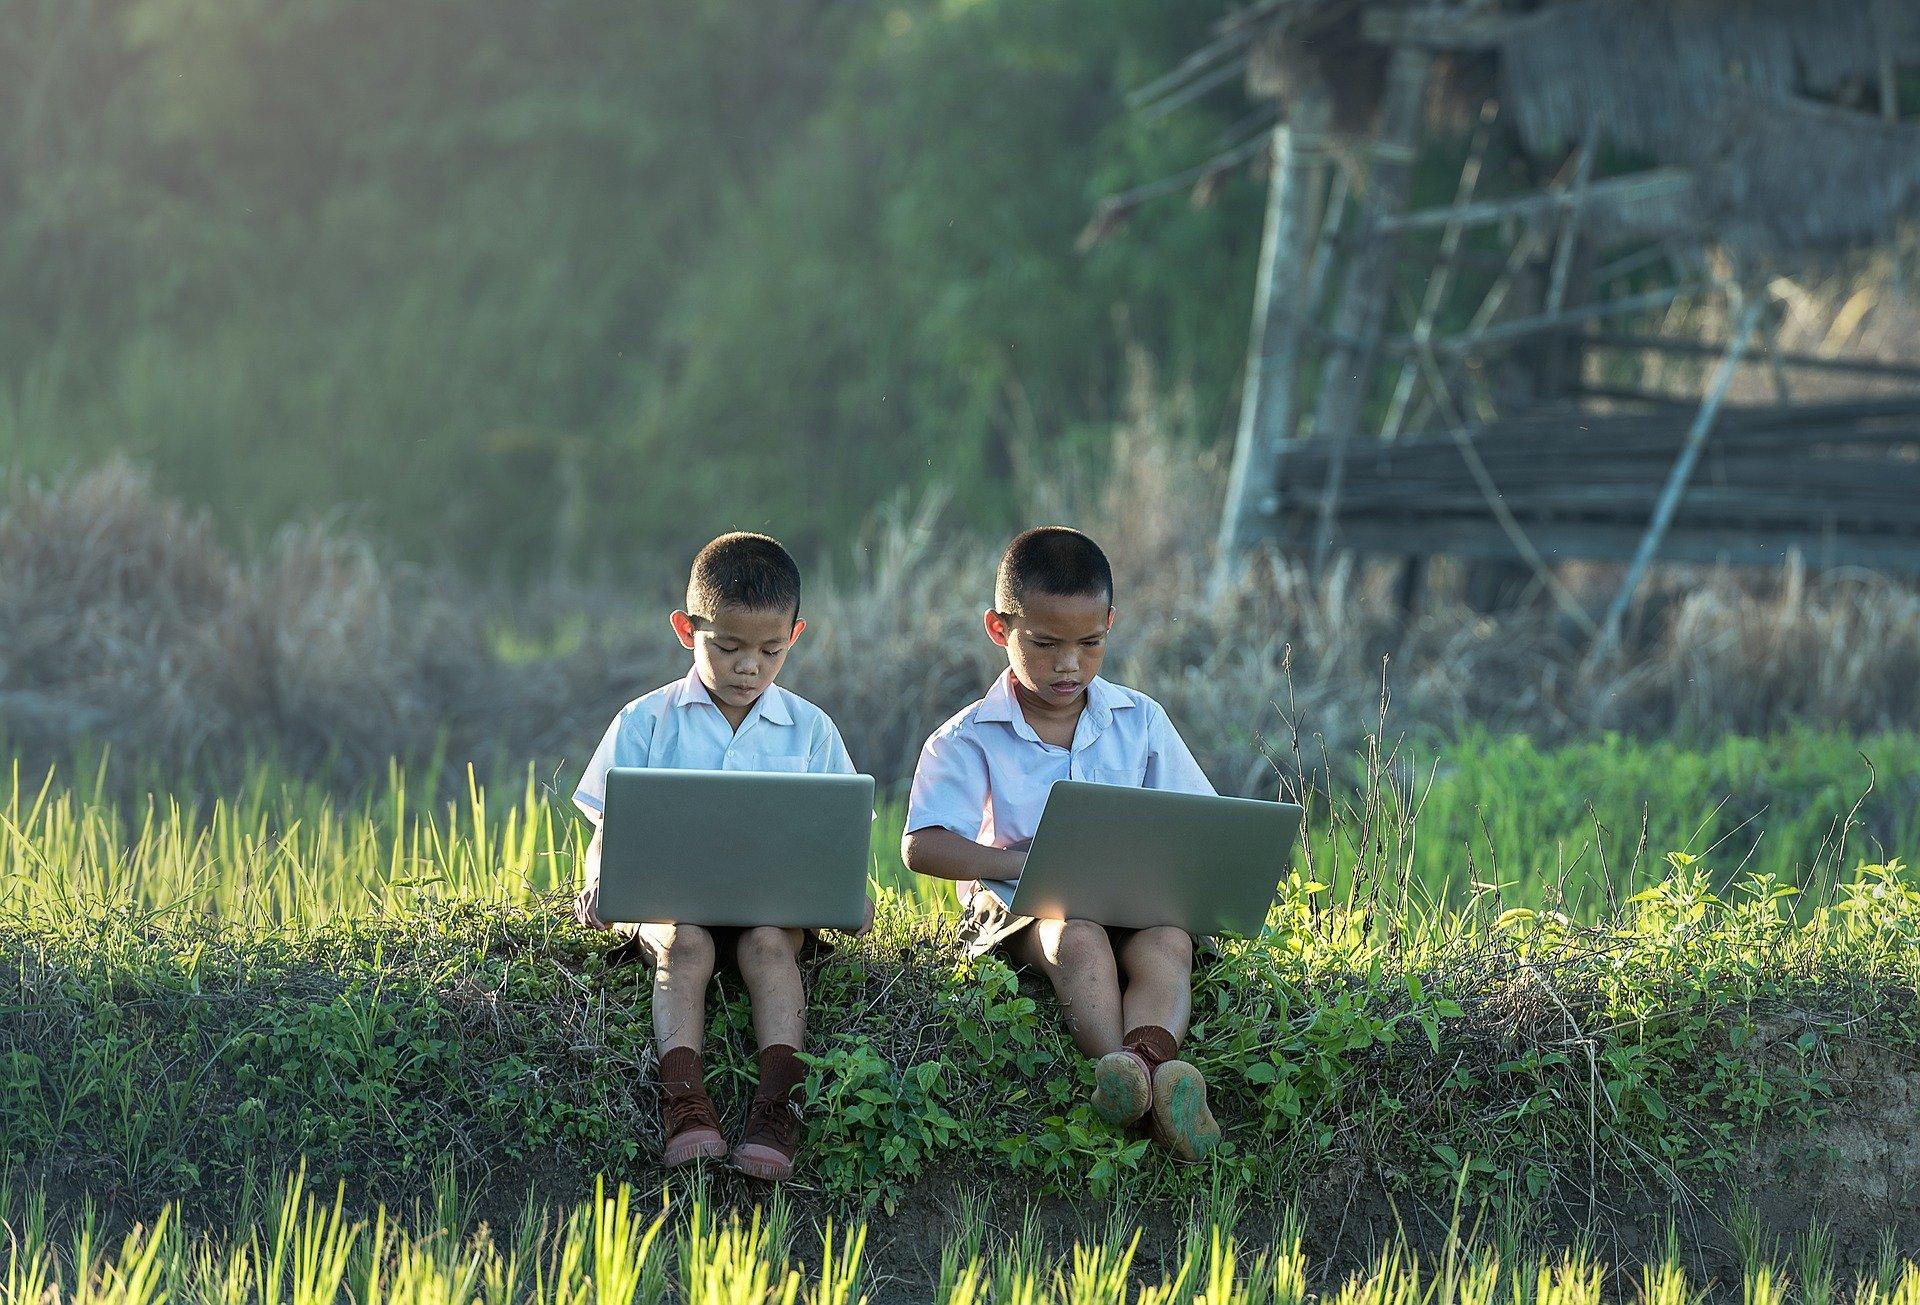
x=123, y=618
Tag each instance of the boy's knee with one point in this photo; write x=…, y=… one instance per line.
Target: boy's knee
x=1079, y=942
x=765, y=945
x=1166, y=944
x=683, y=948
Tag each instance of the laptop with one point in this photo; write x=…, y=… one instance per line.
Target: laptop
x=729, y=848
x=1135, y=858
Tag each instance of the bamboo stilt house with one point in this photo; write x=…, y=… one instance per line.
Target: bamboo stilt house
x=1459, y=373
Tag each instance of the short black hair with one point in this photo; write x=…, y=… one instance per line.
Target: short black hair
x=1051, y=560
x=744, y=570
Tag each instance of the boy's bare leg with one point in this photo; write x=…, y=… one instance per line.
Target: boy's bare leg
x=1158, y=1003
x=1159, y=992
x=682, y=967
x=770, y=963
x=1077, y=958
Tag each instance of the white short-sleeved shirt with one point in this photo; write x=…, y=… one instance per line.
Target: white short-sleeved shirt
x=985, y=773
x=678, y=727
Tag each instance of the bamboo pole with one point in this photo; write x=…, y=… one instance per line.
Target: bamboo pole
x=1677, y=481
x=1269, y=399
x=1665, y=183
x=1362, y=311
x=1441, y=278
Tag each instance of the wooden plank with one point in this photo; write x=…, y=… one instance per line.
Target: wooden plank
x=1568, y=542
x=1521, y=328
x=1438, y=29
x=1616, y=192
x=1787, y=357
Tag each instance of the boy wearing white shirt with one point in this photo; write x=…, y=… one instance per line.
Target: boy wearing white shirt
x=978, y=792
x=741, y=619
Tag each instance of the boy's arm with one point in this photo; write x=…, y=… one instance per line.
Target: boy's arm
x=590, y=794
x=828, y=755
x=945, y=812
x=940, y=853
x=1170, y=763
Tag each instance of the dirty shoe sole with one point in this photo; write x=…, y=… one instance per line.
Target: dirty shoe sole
x=756, y=1161
x=694, y=1144
x=1180, y=1115
x=1122, y=1092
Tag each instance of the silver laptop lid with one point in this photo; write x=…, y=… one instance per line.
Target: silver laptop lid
x=1136, y=857
x=731, y=848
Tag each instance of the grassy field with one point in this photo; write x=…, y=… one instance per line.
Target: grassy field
x=627, y=1248
x=1452, y=1010
x=1578, y=827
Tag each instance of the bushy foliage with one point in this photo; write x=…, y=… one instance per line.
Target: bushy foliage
x=551, y=285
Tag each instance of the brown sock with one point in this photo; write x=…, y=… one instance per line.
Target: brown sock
x=1152, y=1044
x=680, y=1073
x=780, y=1071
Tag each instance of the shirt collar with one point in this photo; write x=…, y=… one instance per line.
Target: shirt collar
x=999, y=704
x=770, y=706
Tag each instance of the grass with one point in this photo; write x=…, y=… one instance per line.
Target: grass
x=620, y=1246
x=203, y=986
x=1581, y=826
x=205, y=989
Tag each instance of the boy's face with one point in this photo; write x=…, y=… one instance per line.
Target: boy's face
x=1055, y=645
x=738, y=651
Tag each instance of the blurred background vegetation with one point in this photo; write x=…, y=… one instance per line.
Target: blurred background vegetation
x=549, y=286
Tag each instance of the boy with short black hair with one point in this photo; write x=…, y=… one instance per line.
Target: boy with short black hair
x=978, y=791
x=741, y=619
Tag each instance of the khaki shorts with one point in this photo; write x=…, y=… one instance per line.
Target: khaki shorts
x=987, y=925
x=636, y=946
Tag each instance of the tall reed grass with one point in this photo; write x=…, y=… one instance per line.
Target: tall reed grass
x=1581, y=826
x=620, y=1246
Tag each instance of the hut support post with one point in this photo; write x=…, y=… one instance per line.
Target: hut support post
x=1669, y=501
x=1440, y=280
x=1269, y=400
x=1364, y=296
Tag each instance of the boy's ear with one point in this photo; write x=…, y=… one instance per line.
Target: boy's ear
x=683, y=626
x=1110, y=615
x=997, y=627
x=799, y=628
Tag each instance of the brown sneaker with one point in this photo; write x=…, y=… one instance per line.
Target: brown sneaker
x=1122, y=1087
x=772, y=1136
x=1181, y=1121
x=692, y=1127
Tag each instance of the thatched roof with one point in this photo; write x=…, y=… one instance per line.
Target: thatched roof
x=1724, y=89
x=1773, y=105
